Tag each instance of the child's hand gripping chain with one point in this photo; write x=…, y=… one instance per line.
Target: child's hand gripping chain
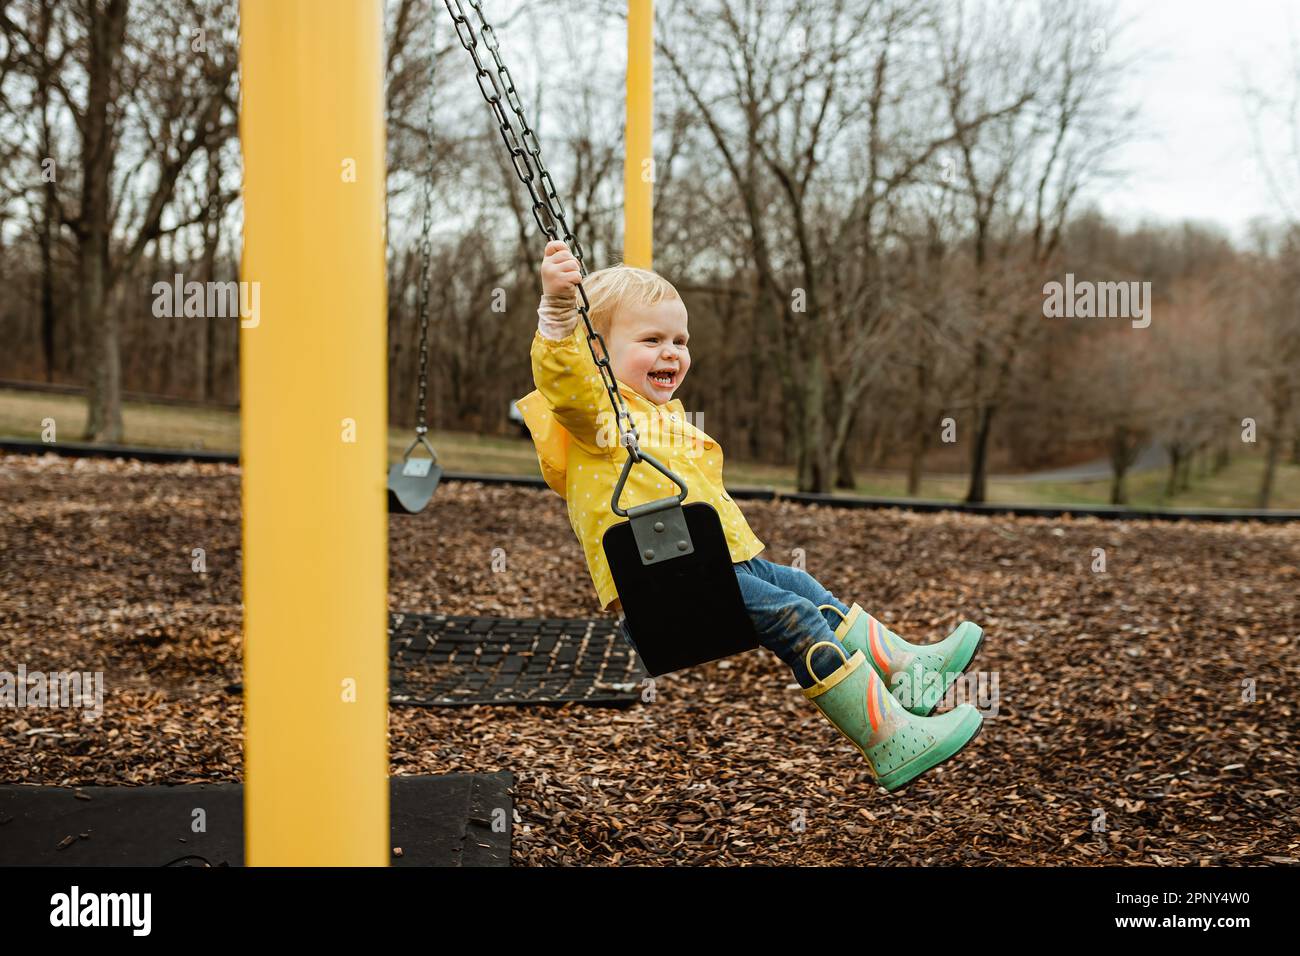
x=560, y=272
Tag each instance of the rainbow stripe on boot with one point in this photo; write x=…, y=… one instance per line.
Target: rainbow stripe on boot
x=918, y=675
x=897, y=746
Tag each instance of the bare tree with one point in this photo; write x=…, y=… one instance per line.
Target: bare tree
x=820, y=116
x=926, y=350
x=115, y=71
x=1023, y=172
x=1274, y=118
x=1272, y=299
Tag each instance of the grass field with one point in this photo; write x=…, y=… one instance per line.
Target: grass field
x=164, y=426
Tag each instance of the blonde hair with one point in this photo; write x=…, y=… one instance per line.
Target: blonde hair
x=609, y=290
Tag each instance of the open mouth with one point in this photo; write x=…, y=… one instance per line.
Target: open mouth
x=665, y=378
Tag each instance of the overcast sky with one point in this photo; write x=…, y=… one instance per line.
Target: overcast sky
x=1193, y=155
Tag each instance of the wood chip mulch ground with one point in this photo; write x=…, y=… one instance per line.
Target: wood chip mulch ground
x=1144, y=715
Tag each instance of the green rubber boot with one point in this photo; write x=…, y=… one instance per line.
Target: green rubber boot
x=918, y=675
x=898, y=746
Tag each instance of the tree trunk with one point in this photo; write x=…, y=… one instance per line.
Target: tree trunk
x=1273, y=452
x=166, y=327
x=208, y=360
x=1270, y=468
x=914, y=463
x=48, y=225
x=104, y=418
x=1120, y=459
x=1175, y=464
x=844, y=469
x=1222, y=456
x=920, y=431
x=975, y=491
x=814, y=475
x=978, y=491
x=1118, y=493
x=47, y=284
x=107, y=30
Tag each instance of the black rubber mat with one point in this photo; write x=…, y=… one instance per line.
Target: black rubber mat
x=454, y=819
x=440, y=660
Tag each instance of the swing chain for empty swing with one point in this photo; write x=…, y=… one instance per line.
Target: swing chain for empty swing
x=412, y=481
x=426, y=247
x=547, y=208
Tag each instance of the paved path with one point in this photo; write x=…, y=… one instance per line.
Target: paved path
x=1149, y=458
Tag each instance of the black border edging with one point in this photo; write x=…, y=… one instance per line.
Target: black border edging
x=1109, y=512
x=22, y=446
x=131, y=397
x=74, y=449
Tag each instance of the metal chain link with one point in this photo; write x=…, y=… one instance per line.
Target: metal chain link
x=547, y=208
x=426, y=244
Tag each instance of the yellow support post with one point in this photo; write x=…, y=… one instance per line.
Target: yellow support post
x=313, y=384
x=638, y=156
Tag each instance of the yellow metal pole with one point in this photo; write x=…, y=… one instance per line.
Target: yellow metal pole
x=314, y=434
x=638, y=158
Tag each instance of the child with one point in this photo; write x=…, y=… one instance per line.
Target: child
x=846, y=661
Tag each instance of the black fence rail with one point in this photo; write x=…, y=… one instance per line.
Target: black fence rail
x=19, y=446
x=148, y=398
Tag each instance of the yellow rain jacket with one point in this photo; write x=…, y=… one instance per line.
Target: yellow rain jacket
x=574, y=429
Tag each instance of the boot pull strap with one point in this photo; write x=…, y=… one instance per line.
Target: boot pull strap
x=807, y=658
x=832, y=607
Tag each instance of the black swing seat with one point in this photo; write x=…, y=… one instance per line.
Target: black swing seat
x=683, y=607
x=411, y=481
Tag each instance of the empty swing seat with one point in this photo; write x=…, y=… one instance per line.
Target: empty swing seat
x=412, y=481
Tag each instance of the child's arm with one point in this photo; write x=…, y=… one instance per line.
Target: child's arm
x=557, y=316
x=563, y=370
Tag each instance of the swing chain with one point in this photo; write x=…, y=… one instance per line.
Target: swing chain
x=426, y=246
x=547, y=208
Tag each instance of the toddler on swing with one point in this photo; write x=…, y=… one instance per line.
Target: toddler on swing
x=874, y=687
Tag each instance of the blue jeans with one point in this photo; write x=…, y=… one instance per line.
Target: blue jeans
x=782, y=602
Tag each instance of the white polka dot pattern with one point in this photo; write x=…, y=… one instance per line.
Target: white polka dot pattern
x=587, y=460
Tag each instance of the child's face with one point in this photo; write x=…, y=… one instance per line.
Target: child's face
x=647, y=348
